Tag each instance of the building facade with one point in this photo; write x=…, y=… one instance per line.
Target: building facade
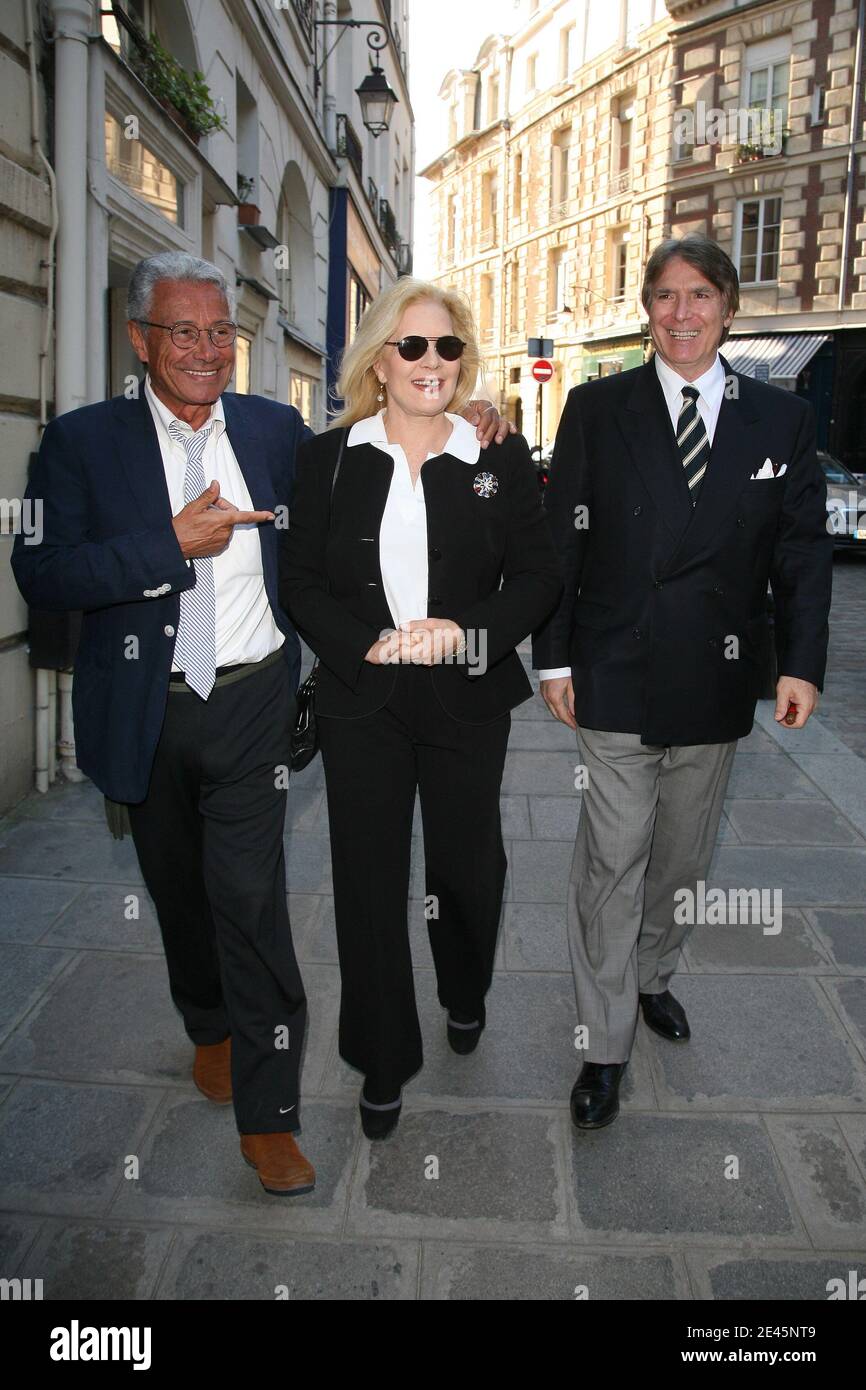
x=598, y=127
x=149, y=125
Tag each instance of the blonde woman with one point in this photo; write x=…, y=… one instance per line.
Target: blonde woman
x=413, y=583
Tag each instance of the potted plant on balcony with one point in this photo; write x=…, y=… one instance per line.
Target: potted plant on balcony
x=248, y=213
x=185, y=95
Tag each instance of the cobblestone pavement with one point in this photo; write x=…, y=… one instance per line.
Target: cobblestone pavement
x=737, y=1168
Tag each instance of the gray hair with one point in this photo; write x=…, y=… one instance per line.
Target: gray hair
x=172, y=265
x=707, y=257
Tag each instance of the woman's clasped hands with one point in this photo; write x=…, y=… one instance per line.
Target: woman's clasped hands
x=424, y=642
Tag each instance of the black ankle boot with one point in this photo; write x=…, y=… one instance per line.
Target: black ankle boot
x=379, y=1118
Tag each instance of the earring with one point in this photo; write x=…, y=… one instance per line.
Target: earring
x=381, y=395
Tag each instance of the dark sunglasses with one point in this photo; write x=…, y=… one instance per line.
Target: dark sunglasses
x=413, y=348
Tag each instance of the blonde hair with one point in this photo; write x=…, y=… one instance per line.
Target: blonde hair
x=358, y=385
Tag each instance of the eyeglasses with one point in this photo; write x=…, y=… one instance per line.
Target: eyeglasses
x=186, y=335
x=413, y=348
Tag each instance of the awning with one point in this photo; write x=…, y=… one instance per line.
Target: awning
x=787, y=353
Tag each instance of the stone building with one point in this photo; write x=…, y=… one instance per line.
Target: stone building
x=106, y=135
x=573, y=145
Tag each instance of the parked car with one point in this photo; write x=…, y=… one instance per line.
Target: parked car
x=846, y=504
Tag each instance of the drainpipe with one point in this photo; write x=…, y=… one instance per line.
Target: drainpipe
x=46, y=681
x=72, y=19
x=329, y=71
x=853, y=136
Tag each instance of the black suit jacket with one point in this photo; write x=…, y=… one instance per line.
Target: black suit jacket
x=109, y=548
x=663, y=620
x=492, y=569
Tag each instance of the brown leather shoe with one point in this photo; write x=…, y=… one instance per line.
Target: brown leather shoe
x=281, y=1166
x=212, y=1071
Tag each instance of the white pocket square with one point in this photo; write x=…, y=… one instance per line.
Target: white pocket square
x=769, y=469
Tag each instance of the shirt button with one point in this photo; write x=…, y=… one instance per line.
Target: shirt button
x=169, y=631
x=637, y=511
x=435, y=553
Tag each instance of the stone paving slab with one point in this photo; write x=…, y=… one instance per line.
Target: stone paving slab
x=766, y=776
x=64, y=1146
x=735, y=948
x=28, y=906
x=217, y=1265
x=825, y=876
x=478, y=1175
x=842, y=933
x=848, y=996
x=452, y=1271
x=771, y=1040
x=17, y=1235
x=97, y=1261
x=70, y=850
x=192, y=1171
x=791, y=823
x=824, y=1178
x=25, y=973
x=649, y=1178
x=770, y=1278
x=111, y=917
x=841, y=779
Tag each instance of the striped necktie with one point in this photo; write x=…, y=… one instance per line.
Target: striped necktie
x=692, y=441
x=195, y=645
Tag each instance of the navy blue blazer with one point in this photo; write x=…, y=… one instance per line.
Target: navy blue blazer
x=108, y=548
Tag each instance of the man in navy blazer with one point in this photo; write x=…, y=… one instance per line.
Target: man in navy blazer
x=159, y=517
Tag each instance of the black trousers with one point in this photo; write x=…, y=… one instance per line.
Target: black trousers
x=373, y=766
x=209, y=839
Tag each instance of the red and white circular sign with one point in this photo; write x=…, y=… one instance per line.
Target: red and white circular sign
x=542, y=371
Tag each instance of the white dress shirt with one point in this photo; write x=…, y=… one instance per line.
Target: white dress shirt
x=403, y=533
x=245, y=627
x=711, y=386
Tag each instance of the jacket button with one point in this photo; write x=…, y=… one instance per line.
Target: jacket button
x=658, y=584
x=169, y=631
x=435, y=553
x=637, y=511
x=636, y=632
x=717, y=589
x=371, y=584
x=741, y=521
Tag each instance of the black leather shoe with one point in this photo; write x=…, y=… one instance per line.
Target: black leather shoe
x=379, y=1118
x=464, y=1030
x=665, y=1016
x=595, y=1097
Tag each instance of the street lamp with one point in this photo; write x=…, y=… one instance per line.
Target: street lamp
x=376, y=95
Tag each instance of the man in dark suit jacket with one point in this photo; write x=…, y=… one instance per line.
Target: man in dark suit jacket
x=677, y=491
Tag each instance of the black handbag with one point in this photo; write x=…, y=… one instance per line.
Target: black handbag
x=305, y=734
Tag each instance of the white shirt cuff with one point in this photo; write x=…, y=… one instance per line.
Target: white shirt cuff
x=556, y=675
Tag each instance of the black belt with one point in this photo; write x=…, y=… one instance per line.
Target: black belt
x=225, y=673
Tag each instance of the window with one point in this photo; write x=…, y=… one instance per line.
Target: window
x=517, y=198
x=138, y=12
x=242, y=364
x=304, y=396
x=514, y=298
x=493, y=100
x=766, y=90
x=619, y=264
x=531, y=73
x=559, y=173
x=489, y=210
x=144, y=172
x=487, y=332
x=759, y=232
x=451, y=228
x=558, y=284
x=452, y=124
x=567, y=51
x=358, y=301
x=622, y=133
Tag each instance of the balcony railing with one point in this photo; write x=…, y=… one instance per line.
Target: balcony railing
x=388, y=226
x=349, y=146
x=487, y=237
x=304, y=11
x=619, y=184
x=373, y=196
x=404, y=258
x=558, y=210
x=449, y=255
